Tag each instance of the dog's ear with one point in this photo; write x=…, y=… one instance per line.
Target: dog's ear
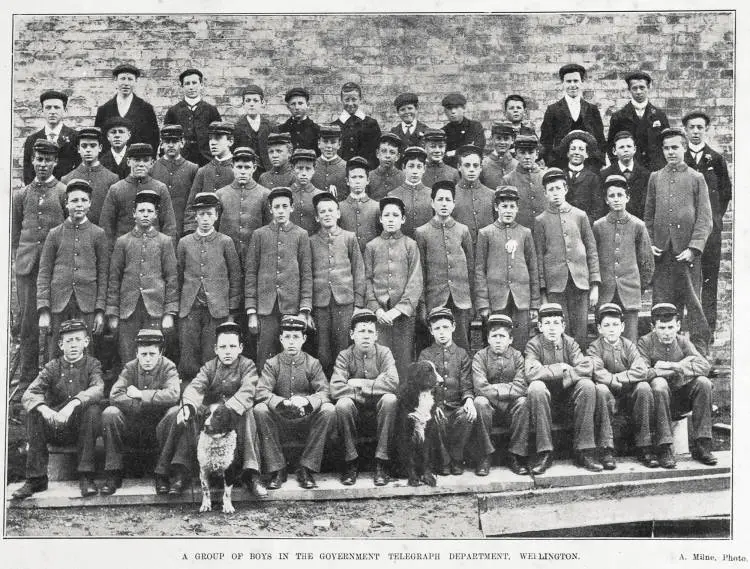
x=222, y=419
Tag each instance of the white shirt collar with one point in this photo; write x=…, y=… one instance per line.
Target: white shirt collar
x=639, y=106
x=123, y=105
x=575, y=168
x=254, y=123
x=119, y=156
x=193, y=102
x=408, y=127
x=694, y=148
x=623, y=167
x=574, y=106
x=573, y=102
x=344, y=116
x=55, y=131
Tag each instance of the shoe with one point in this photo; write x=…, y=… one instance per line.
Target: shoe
x=31, y=486
x=305, y=478
x=161, y=483
x=87, y=486
x=666, y=457
x=445, y=470
x=254, y=485
x=178, y=483
x=586, y=460
x=543, y=462
x=349, y=475
x=647, y=458
x=516, y=466
x=277, y=479
x=702, y=452
x=381, y=477
x=608, y=459
x=483, y=466
x=457, y=468
x=111, y=483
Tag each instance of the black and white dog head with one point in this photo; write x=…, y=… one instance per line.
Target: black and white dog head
x=219, y=420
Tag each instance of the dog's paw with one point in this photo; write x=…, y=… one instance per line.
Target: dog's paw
x=227, y=508
x=205, y=505
x=413, y=481
x=429, y=478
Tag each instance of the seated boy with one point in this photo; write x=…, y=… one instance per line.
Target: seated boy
x=330, y=168
x=410, y=130
x=117, y=130
x=584, y=184
x=677, y=372
x=62, y=406
x=557, y=371
x=365, y=381
x=303, y=131
x=500, y=161
x=146, y=388
x=474, y=200
x=454, y=398
x=338, y=280
x=303, y=215
x=281, y=173
x=460, y=131
x=415, y=195
x=359, y=213
x=527, y=179
x=436, y=169
x=359, y=132
x=386, y=177
x=293, y=403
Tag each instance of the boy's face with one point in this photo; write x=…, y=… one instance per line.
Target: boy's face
x=327, y=214
x=125, y=84
x=515, y=111
x=89, y=150
x=407, y=113
x=304, y=171
x=625, y=150
x=611, y=328
x=78, y=203
x=140, y=166
x=205, y=218
x=298, y=107
x=572, y=84
x=696, y=130
x=666, y=332
x=43, y=165
x=443, y=203
x=192, y=85
x=53, y=111
x=357, y=181
x=252, y=104
x=118, y=137
x=526, y=157
x=552, y=327
x=329, y=147
x=442, y=331
x=278, y=155
x=470, y=167
x=414, y=170
x=364, y=335
x=350, y=100
x=507, y=210
x=281, y=209
x=455, y=114
x=577, y=152
x=243, y=171
x=148, y=356
x=638, y=90
x=435, y=150
x=387, y=154
x=391, y=218
x=172, y=147
x=617, y=198
x=674, y=149
x=228, y=348
x=219, y=144
x=144, y=214
x=555, y=192
x=73, y=344
x=502, y=143
x=499, y=339
x=291, y=341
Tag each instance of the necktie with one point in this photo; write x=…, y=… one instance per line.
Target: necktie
x=627, y=174
x=51, y=136
x=573, y=175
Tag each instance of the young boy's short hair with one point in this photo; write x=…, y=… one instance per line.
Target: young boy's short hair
x=572, y=68
x=623, y=134
x=443, y=185
x=391, y=200
x=514, y=97
x=351, y=86
x=52, y=94
x=671, y=132
x=664, y=312
x=406, y=99
x=188, y=72
x=356, y=163
x=468, y=150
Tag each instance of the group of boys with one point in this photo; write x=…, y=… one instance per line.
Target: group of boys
x=352, y=235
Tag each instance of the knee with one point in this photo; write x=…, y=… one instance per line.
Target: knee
x=642, y=389
x=327, y=411
x=111, y=414
x=345, y=405
x=388, y=402
x=586, y=387
x=261, y=410
x=660, y=386
x=482, y=404
x=602, y=391
x=703, y=383
x=536, y=390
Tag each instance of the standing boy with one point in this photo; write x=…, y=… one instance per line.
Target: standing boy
x=436, y=170
x=303, y=162
x=515, y=113
x=303, y=131
x=253, y=128
x=359, y=213
x=359, y=133
x=117, y=131
x=281, y=173
x=500, y=161
x=474, y=200
x=413, y=193
x=410, y=130
x=460, y=131
x=386, y=177
x=624, y=150
x=584, y=184
x=330, y=168
x=527, y=178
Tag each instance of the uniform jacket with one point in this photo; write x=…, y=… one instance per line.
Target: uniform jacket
x=499, y=274
x=107, y=159
x=159, y=387
x=37, y=208
x=682, y=351
x=278, y=268
x=678, y=209
x=100, y=178
x=359, y=137
x=620, y=361
x=557, y=123
x=543, y=359
x=209, y=262
x=532, y=201
x=466, y=132
x=337, y=268
x=209, y=178
x=178, y=175
x=714, y=169
x=638, y=183
x=67, y=157
x=474, y=207
x=447, y=256
x=382, y=181
x=304, y=211
x=195, y=128
x=418, y=202
x=499, y=378
x=394, y=273
x=646, y=130
x=140, y=113
x=284, y=376
x=244, y=208
x=244, y=135
x=495, y=168
x=565, y=245
x=276, y=177
x=376, y=368
x=437, y=172
x=143, y=264
x=234, y=385
x=304, y=133
x=75, y=259
x=331, y=173
x=361, y=217
x=626, y=262
x=453, y=364
x=416, y=138
x=59, y=382
x=585, y=193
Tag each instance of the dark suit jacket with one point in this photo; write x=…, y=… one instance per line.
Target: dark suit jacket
x=414, y=139
x=108, y=161
x=304, y=133
x=638, y=183
x=140, y=113
x=258, y=141
x=714, y=169
x=558, y=122
x=646, y=131
x=195, y=126
x=67, y=158
x=359, y=137
x=585, y=193
x=458, y=134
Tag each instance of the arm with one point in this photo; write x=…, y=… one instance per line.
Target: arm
x=592, y=255
x=465, y=381
x=169, y=270
x=582, y=365
x=536, y=370
x=644, y=256
x=28, y=167
x=46, y=265
x=358, y=271
x=479, y=139
x=371, y=301
x=195, y=392
x=547, y=135
x=118, y=396
x=468, y=248
x=190, y=224
x=169, y=392
x=108, y=218
x=339, y=386
x=234, y=269
x=529, y=253
x=95, y=391
x=694, y=364
x=650, y=208
x=266, y=384
x=167, y=223
x=242, y=400
x=304, y=258
x=703, y=222
x=116, y=268
x=101, y=249
x=319, y=384
x=540, y=243
x=387, y=380
x=421, y=242
x=724, y=185
x=34, y=396
x=17, y=219
x=252, y=264
x=414, y=284
x=481, y=290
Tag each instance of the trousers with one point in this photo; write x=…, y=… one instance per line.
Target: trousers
x=348, y=416
x=516, y=413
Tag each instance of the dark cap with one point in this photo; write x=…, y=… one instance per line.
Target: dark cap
x=454, y=100
x=467, y=149
x=323, y=196
x=529, y=141
x=293, y=323
x=73, y=326
x=642, y=75
x=126, y=68
x=608, y=309
x=80, y=185
x=139, y=150
x=663, y=310
x=550, y=309
x=672, y=131
x=439, y=313
x=117, y=121
x=586, y=137
x=552, y=174
x=221, y=127
x=391, y=139
x=244, y=153
x=499, y=319
x=363, y=315
x=616, y=180
x=172, y=132
x=44, y=146
x=190, y=72
x=229, y=328
x=89, y=133
x=357, y=162
x=276, y=138
x=434, y=135
x=503, y=127
x=148, y=196
x=572, y=68
x=392, y=200
x=303, y=154
x=406, y=99
x=253, y=90
x=506, y=193
x=330, y=131
x=696, y=115
x=205, y=199
x=296, y=92
x=414, y=152
x=280, y=192
x=149, y=336
x=52, y=94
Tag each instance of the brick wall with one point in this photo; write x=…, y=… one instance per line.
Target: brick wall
x=689, y=55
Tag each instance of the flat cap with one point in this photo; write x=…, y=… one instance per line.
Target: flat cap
x=149, y=336
x=89, y=133
x=616, y=180
x=444, y=185
x=550, y=309
x=415, y=152
x=297, y=92
x=672, y=131
x=171, y=132
x=357, y=162
x=303, y=154
x=405, y=99
x=191, y=71
x=572, y=68
x=440, y=312
x=503, y=127
x=467, y=149
x=73, y=326
x=221, y=127
x=552, y=174
x=280, y=192
x=244, y=153
x=506, y=193
x=117, y=122
x=390, y=138
x=529, y=141
x=499, y=319
x=229, y=328
x=276, y=138
x=139, y=150
x=392, y=200
x=205, y=199
x=323, y=196
x=586, y=137
x=126, y=68
x=293, y=323
x=663, y=310
x=80, y=185
x=52, y=94
x=150, y=196
x=434, y=135
x=44, y=146
x=330, y=131
x=609, y=309
x=253, y=90
x=696, y=115
x=454, y=100
x=363, y=315
x=641, y=75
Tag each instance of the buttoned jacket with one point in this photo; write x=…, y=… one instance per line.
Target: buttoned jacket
x=499, y=377
x=209, y=178
x=331, y=173
x=100, y=179
x=141, y=115
x=467, y=131
x=585, y=193
x=620, y=361
x=393, y=273
x=415, y=138
x=558, y=122
x=245, y=136
x=67, y=157
x=713, y=166
x=160, y=387
x=359, y=137
x=418, y=202
x=361, y=217
x=543, y=359
x=285, y=376
x=531, y=198
x=474, y=207
x=178, y=175
x=646, y=130
x=305, y=133
x=59, y=382
x=681, y=350
x=495, y=168
x=244, y=209
x=195, y=128
x=453, y=364
x=234, y=385
x=304, y=212
x=437, y=172
x=337, y=267
x=382, y=181
x=376, y=368
x=638, y=183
